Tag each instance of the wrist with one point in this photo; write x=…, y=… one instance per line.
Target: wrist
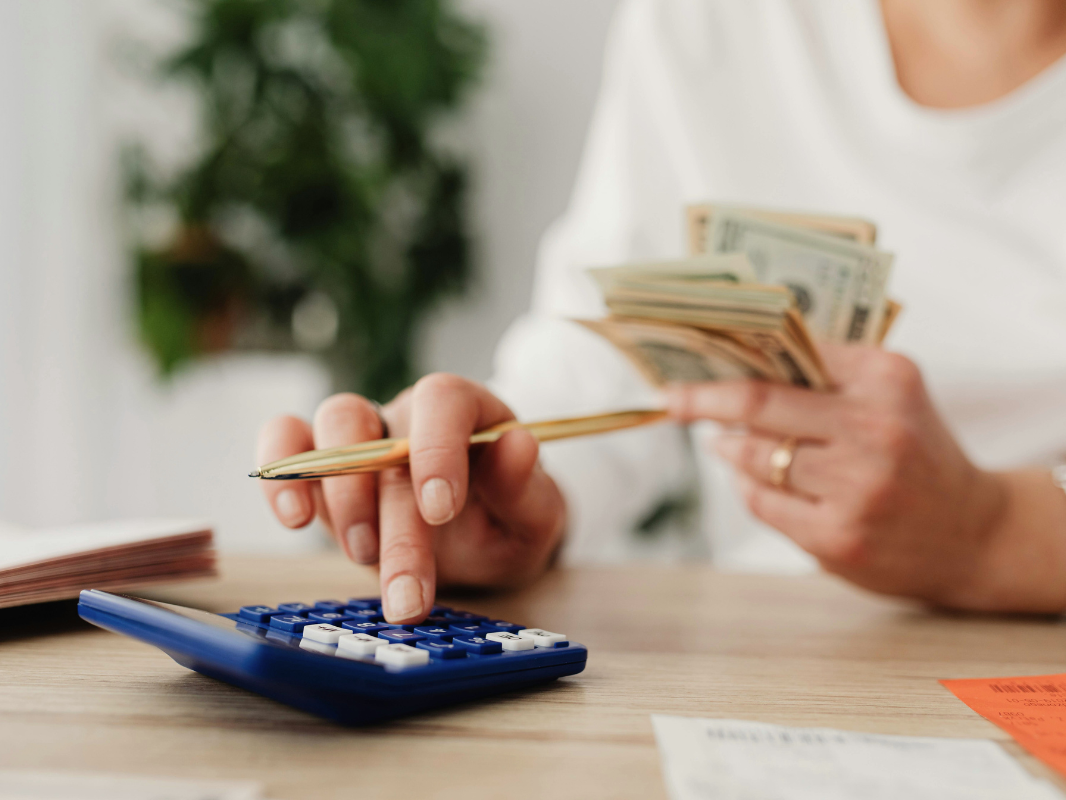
x=1021, y=547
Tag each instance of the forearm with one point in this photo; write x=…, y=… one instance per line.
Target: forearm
x=1023, y=567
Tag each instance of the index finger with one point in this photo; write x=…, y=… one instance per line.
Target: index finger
x=445, y=410
x=760, y=405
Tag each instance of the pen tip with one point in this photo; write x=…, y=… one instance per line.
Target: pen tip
x=254, y=474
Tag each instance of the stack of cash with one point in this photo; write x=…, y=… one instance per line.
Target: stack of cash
x=757, y=293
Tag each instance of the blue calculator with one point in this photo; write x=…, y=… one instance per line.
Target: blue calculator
x=339, y=658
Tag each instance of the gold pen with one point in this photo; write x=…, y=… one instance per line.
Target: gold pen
x=378, y=454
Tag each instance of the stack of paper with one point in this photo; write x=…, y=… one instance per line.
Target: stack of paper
x=41, y=565
x=736, y=760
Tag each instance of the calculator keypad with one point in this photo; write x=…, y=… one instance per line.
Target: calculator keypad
x=355, y=628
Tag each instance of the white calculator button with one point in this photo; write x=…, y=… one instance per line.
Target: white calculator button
x=541, y=637
x=360, y=644
x=401, y=655
x=325, y=633
x=510, y=641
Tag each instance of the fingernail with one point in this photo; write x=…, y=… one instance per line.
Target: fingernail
x=438, y=501
x=362, y=544
x=290, y=507
x=404, y=598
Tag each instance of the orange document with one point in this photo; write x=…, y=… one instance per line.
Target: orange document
x=1031, y=709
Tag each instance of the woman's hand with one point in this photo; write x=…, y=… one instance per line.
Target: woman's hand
x=491, y=517
x=878, y=490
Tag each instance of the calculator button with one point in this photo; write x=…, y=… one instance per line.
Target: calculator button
x=436, y=633
x=440, y=649
x=541, y=637
x=360, y=644
x=372, y=628
x=364, y=614
x=437, y=622
x=329, y=617
x=330, y=605
x=439, y=611
x=509, y=641
x=463, y=616
x=327, y=634
x=400, y=636
x=256, y=613
x=364, y=602
x=501, y=625
x=289, y=622
x=477, y=645
x=469, y=629
x=400, y=655
x=295, y=608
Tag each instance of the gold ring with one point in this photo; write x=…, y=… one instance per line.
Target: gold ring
x=781, y=461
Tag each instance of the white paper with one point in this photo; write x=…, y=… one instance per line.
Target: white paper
x=86, y=786
x=719, y=759
x=21, y=549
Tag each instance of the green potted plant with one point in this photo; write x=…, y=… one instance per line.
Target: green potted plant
x=319, y=213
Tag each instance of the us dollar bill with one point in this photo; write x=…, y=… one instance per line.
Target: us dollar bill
x=839, y=285
x=665, y=352
x=699, y=216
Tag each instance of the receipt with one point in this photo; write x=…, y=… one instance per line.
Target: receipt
x=717, y=759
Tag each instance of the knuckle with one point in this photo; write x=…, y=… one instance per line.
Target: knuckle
x=892, y=436
x=899, y=374
x=437, y=452
x=750, y=457
x=345, y=409
x=752, y=399
x=436, y=384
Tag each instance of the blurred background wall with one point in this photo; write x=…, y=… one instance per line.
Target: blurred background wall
x=87, y=430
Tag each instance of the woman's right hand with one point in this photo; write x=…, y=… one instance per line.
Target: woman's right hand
x=491, y=517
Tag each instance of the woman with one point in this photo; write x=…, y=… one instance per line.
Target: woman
x=944, y=122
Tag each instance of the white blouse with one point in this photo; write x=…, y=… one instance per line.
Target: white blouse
x=794, y=104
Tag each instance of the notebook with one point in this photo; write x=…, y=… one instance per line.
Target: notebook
x=57, y=563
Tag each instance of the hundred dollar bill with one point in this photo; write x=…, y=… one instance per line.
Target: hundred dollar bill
x=839, y=285
x=699, y=216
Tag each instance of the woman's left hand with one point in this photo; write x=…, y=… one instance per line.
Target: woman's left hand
x=878, y=490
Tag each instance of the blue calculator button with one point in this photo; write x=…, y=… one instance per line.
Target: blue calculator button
x=435, y=632
x=372, y=628
x=504, y=627
x=440, y=611
x=330, y=605
x=364, y=614
x=477, y=645
x=256, y=613
x=292, y=623
x=295, y=608
x=329, y=617
x=364, y=602
x=441, y=649
x=470, y=629
x=464, y=616
x=400, y=636
x=437, y=622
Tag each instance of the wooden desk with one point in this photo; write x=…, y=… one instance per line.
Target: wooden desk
x=795, y=651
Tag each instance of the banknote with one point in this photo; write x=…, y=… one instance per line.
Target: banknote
x=699, y=216
x=666, y=353
x=839, y=285
x=714, y=268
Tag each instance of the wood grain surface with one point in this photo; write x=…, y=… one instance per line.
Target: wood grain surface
x=675, y=640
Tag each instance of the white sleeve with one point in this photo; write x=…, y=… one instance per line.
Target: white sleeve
x=627, y=205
